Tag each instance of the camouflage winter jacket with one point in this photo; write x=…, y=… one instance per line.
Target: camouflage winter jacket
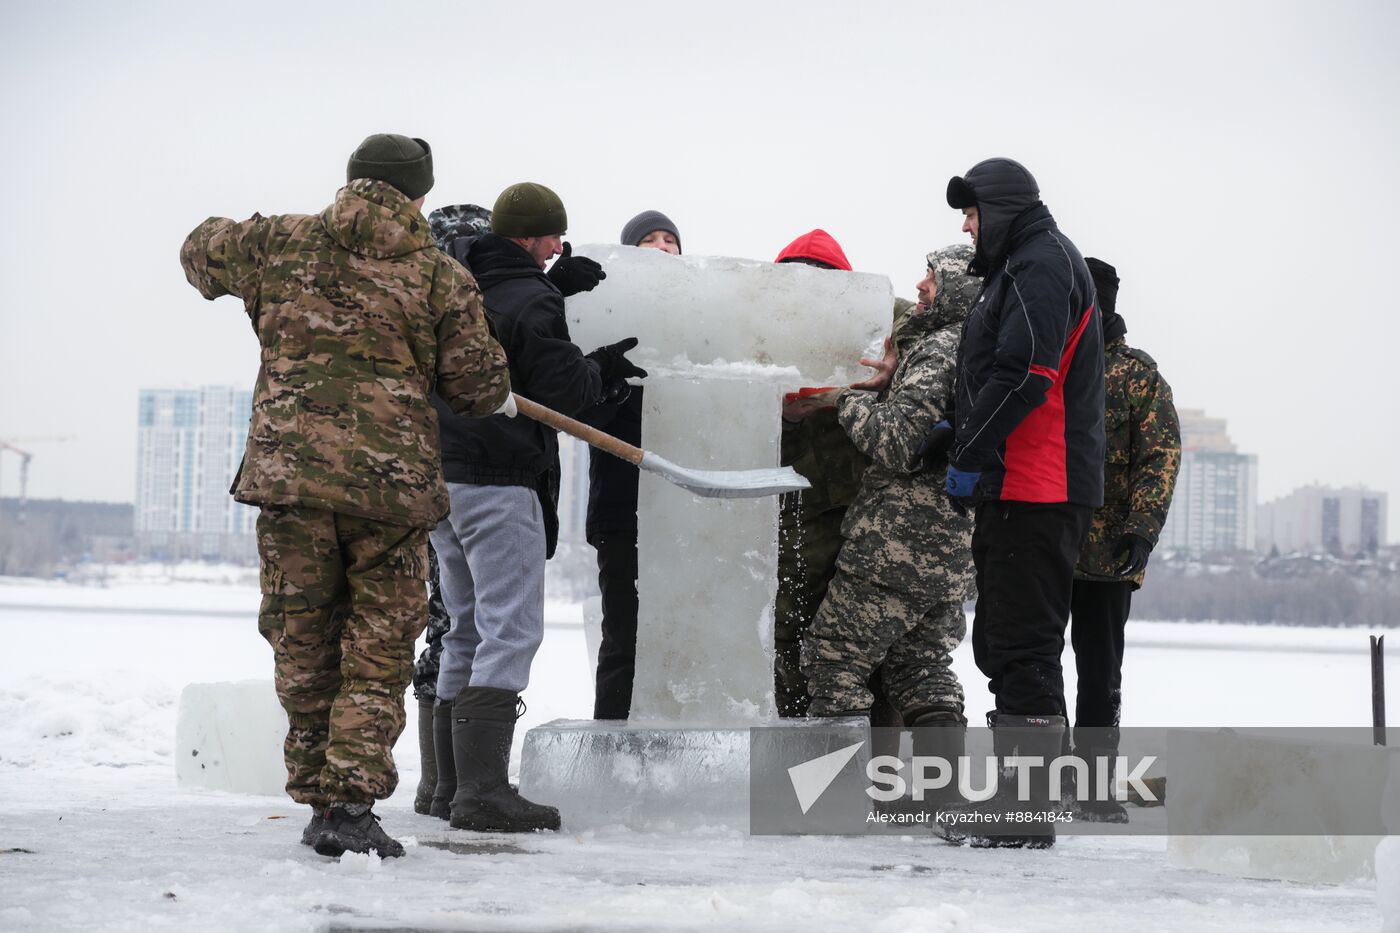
x=901, y=531
x=1141, y=461
x=360, y=317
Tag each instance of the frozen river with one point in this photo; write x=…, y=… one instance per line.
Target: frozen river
x=97, y=834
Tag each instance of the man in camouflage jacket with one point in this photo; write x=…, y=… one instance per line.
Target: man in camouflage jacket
x=1142, y=458
x=360, y=318
x=904, y=567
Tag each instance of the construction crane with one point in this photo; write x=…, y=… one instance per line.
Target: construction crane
x=8, y=443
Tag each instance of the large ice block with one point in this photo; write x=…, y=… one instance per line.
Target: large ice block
x=1231, y=795
x=722, y=339
x=602, y=773
x=707, y=567
x=700, y=309
x=228, y=736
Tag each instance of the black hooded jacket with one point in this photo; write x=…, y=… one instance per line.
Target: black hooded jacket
x=526, y=314
x=1029, y=395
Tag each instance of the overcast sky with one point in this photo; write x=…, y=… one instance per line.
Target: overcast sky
x=1236, y=161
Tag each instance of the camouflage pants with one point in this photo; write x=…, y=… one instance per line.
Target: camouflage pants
x=425, y=669
x=343, y=601
x=807, y=549
x=862, y=625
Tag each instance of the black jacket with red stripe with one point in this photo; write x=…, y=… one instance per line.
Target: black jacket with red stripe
x=1029, y=396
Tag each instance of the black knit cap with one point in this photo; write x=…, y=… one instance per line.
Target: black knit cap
x=1105, y=282
x=529, y=209
x=645, y=223
x=402, y=161
x=1106, y=287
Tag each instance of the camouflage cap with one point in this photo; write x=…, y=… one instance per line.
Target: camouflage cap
x=529, y=209
x=402, y=161
x=458, y=220
x=957, y=288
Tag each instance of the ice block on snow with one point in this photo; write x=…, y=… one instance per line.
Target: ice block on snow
x=654, y=779
x=228, y=736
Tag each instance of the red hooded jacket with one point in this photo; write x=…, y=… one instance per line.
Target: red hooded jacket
x=818, y=245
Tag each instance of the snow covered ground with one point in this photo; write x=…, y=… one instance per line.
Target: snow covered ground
x=95, y=832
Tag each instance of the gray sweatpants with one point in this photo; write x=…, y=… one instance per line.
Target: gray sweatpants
x=491, y=553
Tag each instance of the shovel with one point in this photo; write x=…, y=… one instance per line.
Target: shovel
x=713, y=484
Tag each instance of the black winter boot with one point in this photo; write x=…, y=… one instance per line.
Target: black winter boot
x=940, y=732
x=483, y=728
x=353, y=827
x=1005, y=821
x=428, y=777
x=1025, y=823
x=446, y=786
x=1096, y=802
x=313, y=829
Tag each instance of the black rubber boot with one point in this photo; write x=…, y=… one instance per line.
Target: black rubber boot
x=446, y=786
x=483, y=728
x=940, y=732
x=1024, y=823
x=1092, y=744
x=428, y=777
x=353, y=827
x=313, y=829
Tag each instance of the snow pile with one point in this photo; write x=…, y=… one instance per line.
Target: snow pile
x=73, y=723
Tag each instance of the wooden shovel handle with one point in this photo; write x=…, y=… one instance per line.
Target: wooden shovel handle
x=590, y=435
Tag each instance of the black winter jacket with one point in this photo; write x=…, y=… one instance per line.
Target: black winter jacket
x=612, y=481
x=1029, y=396
x=526, y=314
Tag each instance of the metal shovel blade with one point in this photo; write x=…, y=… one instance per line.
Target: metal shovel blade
x=727, y=484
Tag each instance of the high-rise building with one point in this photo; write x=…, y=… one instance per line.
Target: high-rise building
x=1213, y=508
x=1325, y=520
x=189, y=446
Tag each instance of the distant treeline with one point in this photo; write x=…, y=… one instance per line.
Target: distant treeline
x=1289, y=590
x=41, y=537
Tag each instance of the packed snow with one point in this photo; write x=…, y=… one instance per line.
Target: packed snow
x=98, y=834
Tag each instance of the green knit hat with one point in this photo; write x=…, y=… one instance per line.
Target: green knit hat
x=528, y=209
x=404, y=162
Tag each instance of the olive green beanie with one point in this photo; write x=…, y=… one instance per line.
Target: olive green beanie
x=403, y=162
x=528, y=209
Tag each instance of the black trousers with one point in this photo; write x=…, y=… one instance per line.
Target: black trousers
x=617, y=657
x=1024, y=554
x=1099, y=616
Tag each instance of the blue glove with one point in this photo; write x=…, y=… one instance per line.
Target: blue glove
x=960, y=483
x=961, y=487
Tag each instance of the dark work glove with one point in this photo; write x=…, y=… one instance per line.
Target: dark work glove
x=961, y=487
x=573, y=274
x=933, y=446
x=613, y=365
x=1134, y=551
x=615, y=393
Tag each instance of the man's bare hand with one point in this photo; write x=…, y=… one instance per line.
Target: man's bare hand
x=884, y=370
x=795, y=408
